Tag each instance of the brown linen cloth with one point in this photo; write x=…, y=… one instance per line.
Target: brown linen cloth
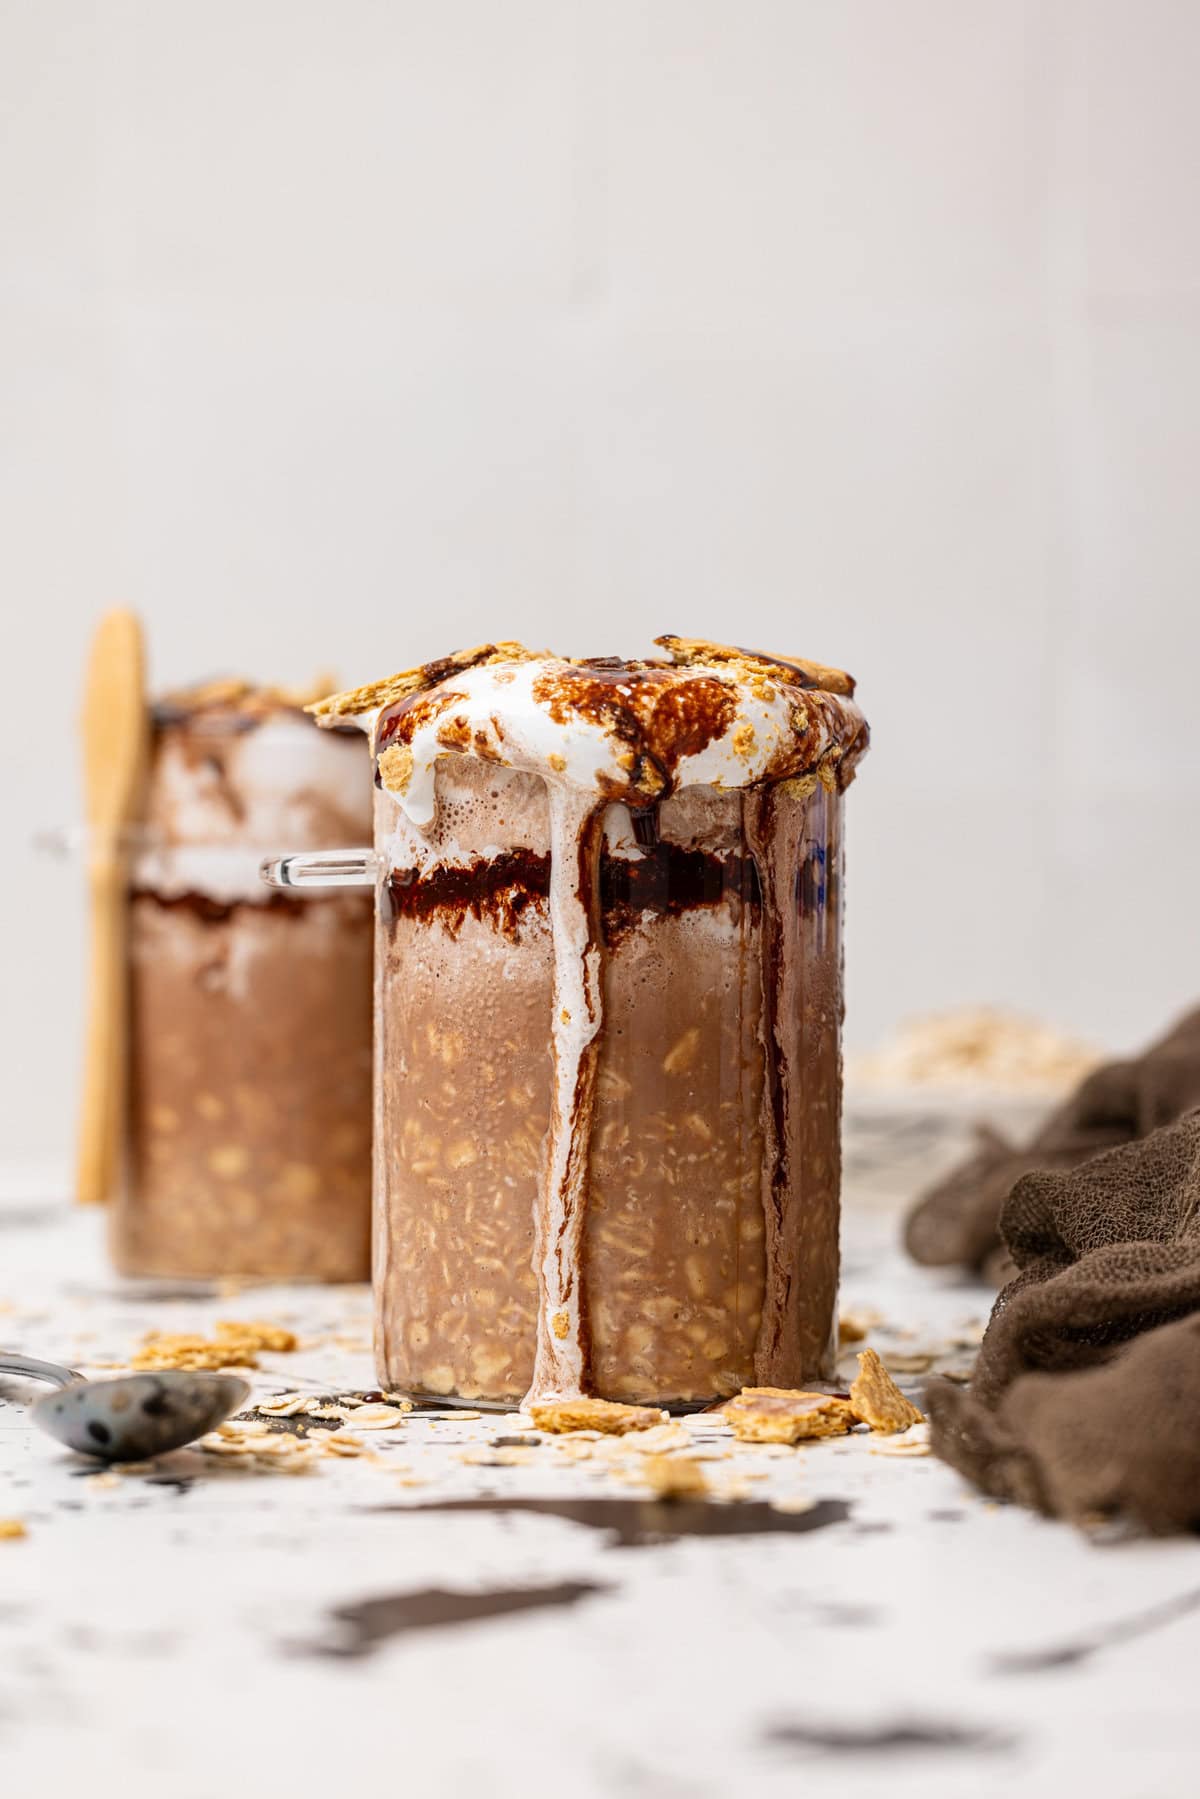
x=956, y=1223
x=1087, y=1389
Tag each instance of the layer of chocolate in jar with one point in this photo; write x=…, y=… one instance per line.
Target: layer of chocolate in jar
x=251, y=1012
x=608, y=1073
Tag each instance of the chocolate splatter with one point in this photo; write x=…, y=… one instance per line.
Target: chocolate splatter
x=887, y=1739
x=364, y=1626
x=1075, y=1650
x=638, y=1523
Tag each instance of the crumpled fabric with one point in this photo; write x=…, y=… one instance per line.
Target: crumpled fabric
x=1086, y=1394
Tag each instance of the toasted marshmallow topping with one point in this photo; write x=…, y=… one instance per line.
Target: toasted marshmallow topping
x=627, y=731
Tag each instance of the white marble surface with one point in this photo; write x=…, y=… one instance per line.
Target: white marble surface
x=174, y=1633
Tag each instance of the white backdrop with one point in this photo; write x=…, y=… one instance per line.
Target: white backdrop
x=345, y=334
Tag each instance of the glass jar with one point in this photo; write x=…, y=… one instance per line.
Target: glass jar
x=608, y=1068
x=248, y=1099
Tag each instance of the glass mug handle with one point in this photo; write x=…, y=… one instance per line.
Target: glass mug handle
x=321, y=868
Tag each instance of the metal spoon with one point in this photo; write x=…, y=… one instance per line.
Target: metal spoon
x=132, y=1417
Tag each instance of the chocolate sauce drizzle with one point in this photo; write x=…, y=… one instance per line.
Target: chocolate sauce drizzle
x=667, y=880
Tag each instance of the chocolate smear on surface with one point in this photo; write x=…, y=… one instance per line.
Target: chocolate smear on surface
x=640, y=1523
x=889, y=1739
x=364, y=1626
x=1076, y=1650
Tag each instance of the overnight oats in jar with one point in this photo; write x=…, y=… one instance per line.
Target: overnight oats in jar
x=609, y=1000
x=250, y=1014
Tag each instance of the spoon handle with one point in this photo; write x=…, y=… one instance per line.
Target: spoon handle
x=32, y=1369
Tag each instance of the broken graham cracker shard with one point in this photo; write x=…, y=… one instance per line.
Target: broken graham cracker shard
x=782, y=1415
x=558, y=1415
x=877, y=1400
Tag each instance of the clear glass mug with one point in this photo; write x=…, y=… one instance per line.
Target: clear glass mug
x=710, y=1240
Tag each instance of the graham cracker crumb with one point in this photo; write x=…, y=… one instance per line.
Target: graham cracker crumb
x=673, y=1477
x=783, y=1415
x=11, y=1529
x=557, y=1415
x=877, y=1400
x=233, y=1346
x=258, y=1335
x=396, y=768
x=560, y=1324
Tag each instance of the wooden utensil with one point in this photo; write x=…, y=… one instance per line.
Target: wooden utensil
x=115, y=728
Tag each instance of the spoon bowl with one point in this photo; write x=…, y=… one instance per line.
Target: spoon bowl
x=133, y=1416
x=138, y=1416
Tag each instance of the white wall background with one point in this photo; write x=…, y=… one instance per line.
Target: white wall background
x=351, y=333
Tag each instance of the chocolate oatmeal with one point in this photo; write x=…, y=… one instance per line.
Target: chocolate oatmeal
x=609, y=988
x=250, y=1012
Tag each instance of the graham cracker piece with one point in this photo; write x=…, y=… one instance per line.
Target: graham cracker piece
x=11, y=1530
x=415, y=680
x=792, y=671
x=786, y=1415
x=877, y=1400
x=606, y=1415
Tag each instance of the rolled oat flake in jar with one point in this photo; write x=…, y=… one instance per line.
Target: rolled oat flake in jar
x=608, y=982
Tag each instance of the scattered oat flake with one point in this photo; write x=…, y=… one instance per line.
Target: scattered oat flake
x=877, y=1400
x=660, y=1437
x=342, y=1443
x=11, y=1529
x=103, y=1481
x=377, y=1417
x=902, y=1362
x=561, y=1415
x=914, y=1441
x=285, y=1405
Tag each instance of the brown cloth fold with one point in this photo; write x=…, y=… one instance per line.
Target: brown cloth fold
x=1087, y=1389
x=956, y=1223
